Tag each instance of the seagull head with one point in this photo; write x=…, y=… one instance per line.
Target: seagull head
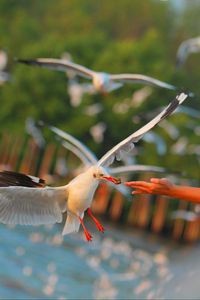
x=100, y=173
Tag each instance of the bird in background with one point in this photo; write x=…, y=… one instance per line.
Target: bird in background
x=25, y=199
x=185, y=49
x=189, y=216
x=75, y=89
x=4, y=76
x=102, y=82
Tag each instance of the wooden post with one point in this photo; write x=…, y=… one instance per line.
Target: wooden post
x=116, y=206
x=101, y=200
x=179, y=224
x=159, y=216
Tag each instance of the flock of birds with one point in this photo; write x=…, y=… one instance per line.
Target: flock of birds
x=27, y=200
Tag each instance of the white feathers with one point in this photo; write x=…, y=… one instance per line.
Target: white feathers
x=32, y=206
x=72, y=224
x=185, y=48
x=116, y=151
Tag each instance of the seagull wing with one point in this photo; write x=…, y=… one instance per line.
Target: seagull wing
x=76, y=152
x=139, y=78
x=185, y=215
x=136, y=168
x=90, y=156
x=127, y=144
x=59, y=65
x=185, y=48
x=182, y=53
x=24, y=200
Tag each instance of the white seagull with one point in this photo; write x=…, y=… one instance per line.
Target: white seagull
x=102, y=82
x=189, y=216
x=4, y=76
x=187, y=47
x=26, y=200
x=76, y=90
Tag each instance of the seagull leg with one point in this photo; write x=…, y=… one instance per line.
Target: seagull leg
x=97, y=223
x=87, y=234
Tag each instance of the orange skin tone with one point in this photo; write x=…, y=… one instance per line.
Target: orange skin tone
x=166, y=188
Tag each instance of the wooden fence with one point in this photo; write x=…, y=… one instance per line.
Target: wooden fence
x=151, y=213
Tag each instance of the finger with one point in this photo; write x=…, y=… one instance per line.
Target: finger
x=164, y=180
x=155, y=180
x=137, y=183
x=137, y=192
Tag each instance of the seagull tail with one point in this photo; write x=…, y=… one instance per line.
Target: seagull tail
x=72, y=224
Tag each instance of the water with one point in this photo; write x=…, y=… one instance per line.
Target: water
x=121, y=264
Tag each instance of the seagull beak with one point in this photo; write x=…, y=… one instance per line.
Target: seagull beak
x=112, y=179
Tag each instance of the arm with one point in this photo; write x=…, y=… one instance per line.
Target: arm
x=166, y=188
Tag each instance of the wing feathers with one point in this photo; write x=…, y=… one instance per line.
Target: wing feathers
x=139, y=78
x=116, y=151
x=9, y=178
x=32, y=206
x=59, y=65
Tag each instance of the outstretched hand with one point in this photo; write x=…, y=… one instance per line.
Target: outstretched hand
x=155, y=186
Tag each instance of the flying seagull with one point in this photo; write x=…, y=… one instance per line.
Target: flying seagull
x=187, y=47
x=102, y=82
x=4, y=75
x=189, y=216
x=27, y=200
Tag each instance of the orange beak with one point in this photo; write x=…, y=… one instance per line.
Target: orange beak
x=112, y=179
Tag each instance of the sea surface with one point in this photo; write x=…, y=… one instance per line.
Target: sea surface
x=122, y=263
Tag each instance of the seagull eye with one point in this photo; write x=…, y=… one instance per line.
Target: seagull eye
x=94, y=175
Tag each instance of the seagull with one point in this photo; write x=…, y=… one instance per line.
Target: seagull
x=3, y=60
x=4, y=76
x=76, y=90
x=185, y=215
x=185, y=48
x=26, y=200
x=32, y=129
x=102, y=82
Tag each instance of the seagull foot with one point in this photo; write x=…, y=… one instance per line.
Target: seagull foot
x=100, y=227
x=97, y=223
x=88, y=236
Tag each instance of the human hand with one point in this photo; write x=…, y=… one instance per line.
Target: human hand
x=155, y=186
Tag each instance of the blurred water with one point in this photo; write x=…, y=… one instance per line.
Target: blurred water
x=121, y=264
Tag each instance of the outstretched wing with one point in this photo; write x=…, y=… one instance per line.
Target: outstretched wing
x=139, y=78
x=185, y=48
x=58, y=65
x=90, y=156
x=24, y=200
x=136, y=168
x=127, y=144
x=76, y=152
x=182, y=53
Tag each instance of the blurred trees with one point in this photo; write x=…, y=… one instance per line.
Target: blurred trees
x=122, y=36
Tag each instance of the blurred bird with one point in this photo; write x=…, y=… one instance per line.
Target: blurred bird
x=187, y=47
x=102, y=82
x=75, y=89
x=32, y=129
x=26, y=200
x=189, y=216
x=4, y=76
x=3, y=60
